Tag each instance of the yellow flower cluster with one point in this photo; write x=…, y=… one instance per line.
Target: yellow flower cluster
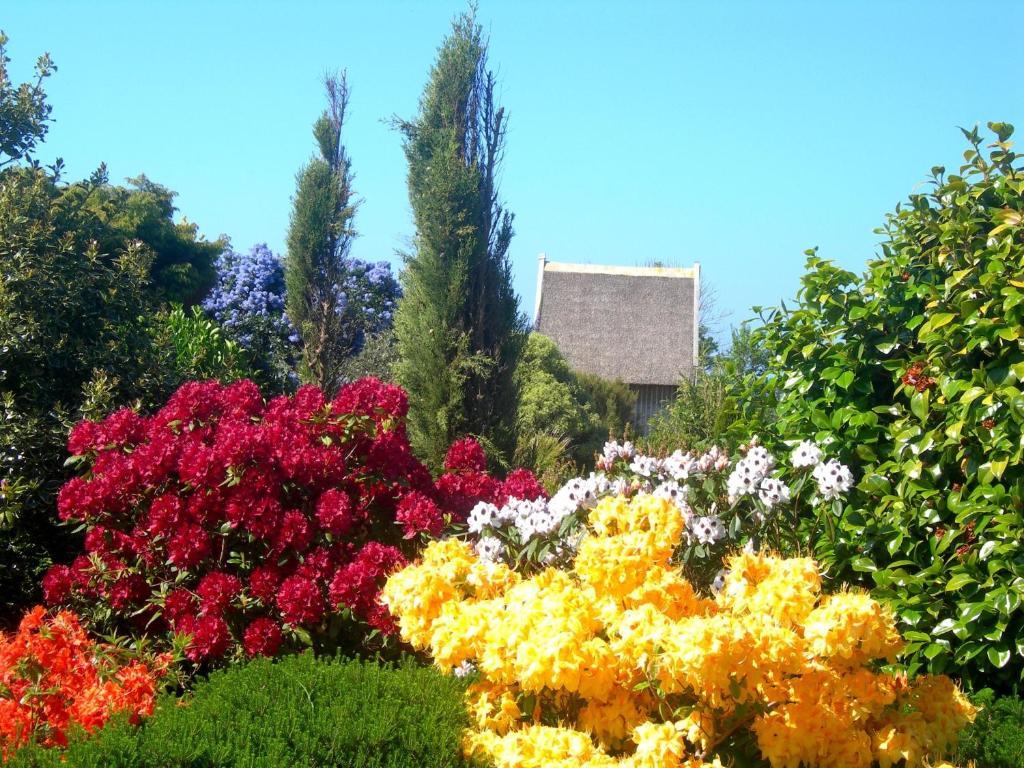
x=618, y=662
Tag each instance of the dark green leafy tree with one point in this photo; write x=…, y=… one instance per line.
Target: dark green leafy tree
x=84, y=323
x=912, y=373
x=183, y=268
x=24, y=110
x=459, y=328
x=70, y=339
x=319, y=238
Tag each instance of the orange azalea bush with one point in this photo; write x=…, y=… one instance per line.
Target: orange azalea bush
x=53, y=676
x=618, y=661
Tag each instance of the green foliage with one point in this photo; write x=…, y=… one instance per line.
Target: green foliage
x=996, y=738
x=201, y=350
x=182, y=270
x=319, y=238
x=377, y=358
x=552, y=402
x=912, y=373
x=612, y=401
x=69, y=334
x=705, y=412
x=458, y=325
x=24, y=110
x=299, y=711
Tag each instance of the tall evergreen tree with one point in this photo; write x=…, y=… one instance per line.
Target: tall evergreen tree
x=319, y=238
x=458, y=325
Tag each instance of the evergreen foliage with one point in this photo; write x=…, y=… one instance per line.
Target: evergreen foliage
x=319, y=238
x=24, y=110
x=996, y=737
x=459, y=329
x=298, y=711
x=913, y=372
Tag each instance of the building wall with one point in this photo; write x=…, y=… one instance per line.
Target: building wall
x=650, y=399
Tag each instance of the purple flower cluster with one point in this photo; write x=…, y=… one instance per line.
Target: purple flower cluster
x=375, y=291
x=248, y=298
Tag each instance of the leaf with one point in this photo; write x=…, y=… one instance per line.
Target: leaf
x=919, y=405
x=959, y=582
x=845, y=379
x=998, y=655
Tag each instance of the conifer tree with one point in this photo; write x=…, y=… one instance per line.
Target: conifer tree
x=458, y=325
x=319, y=238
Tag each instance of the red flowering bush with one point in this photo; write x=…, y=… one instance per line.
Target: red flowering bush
x=255, y=527
x=52, y=676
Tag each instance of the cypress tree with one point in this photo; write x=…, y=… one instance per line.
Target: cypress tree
x=320, y=235
x=458, y=326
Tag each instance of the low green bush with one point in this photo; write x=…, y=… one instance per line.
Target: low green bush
x=298, y=711
x=996, y=738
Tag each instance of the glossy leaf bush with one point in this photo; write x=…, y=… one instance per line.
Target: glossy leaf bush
x=912, y=373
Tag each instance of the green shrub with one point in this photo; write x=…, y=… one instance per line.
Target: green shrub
x=996, y=739
x=299, y=711
x=563, y=417
x=912, y=375
x=705, y=411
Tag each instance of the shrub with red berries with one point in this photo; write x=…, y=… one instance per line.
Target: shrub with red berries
x=255, y=527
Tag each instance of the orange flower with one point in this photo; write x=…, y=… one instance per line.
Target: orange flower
x=52, y=676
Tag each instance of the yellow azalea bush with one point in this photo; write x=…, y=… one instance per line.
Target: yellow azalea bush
x=619, y=662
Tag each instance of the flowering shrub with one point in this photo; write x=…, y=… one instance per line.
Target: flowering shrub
x=52, y=676
x=248, y=301
x=724, y=504
x=619, y=662
x=912, y=373
x=248, y=526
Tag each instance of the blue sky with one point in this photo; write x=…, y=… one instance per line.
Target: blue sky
x=736, y=134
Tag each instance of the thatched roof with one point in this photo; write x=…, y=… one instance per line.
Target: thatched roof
x=637, y=324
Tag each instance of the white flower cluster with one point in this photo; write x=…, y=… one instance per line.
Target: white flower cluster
x=750, y=476
x=834, y=479
x=807, y=454
x=613, y=451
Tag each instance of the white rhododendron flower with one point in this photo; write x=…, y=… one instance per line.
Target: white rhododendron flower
x=489, y=549
x=807, y=454
x=707, y=529
x=483, y=515
x=773, y=491
x=834, y=479
x=645, y=466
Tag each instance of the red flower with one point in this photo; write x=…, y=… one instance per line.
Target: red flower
x=216, y=590
x=210, y=637
x=295, y=532
x=300, y=601
x=262, y=637
x=128, y=591
x=521, y=484
x=179, y=605
x=372, y=397
x=357, y=585
x=334, y=512
x=465, y=455
x=57, y=584
x=264, y=581
x=418, y=514
x=188, y=547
